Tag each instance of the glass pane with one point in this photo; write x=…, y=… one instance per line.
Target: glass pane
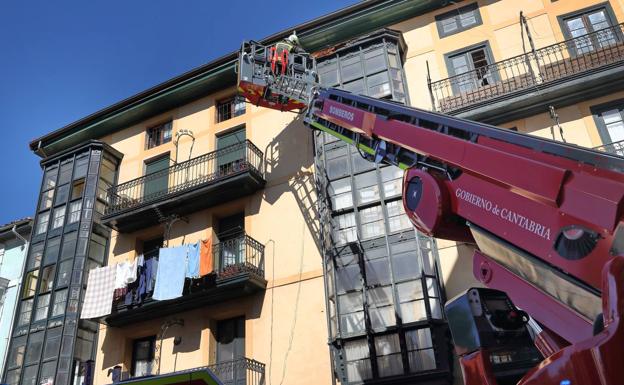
x=355, y=87
x=350, y=302
x=58, y=217
x=30, y=284
x=80, y=167
x=367, y=189
x=449, y=24
x=65, y=174
x=35, y=345
x=60, y=300
x=48, y=369
x=61, y=194
x=380, y=296
x=418, y=339
x=64, y=273
x=52, y=250
x=406, y=264
x=467, y=18
x=49, y=179
x=378, y=272
x=351, y=68
x=413, y=311
x=47, y=279
x=408, y=291
x=12, y=377
x=30, y=375
x=52, y=343
x=359, y=163
x=25, y=312
x=387, y=344
x=43, y=304
x=340, y=194
x=36, y=255
x=337, y=163
x=46, y=200
x=42, y=223
x=69, y=245
x=382, y=317
x=356, y=350
x=422, y=360
x=74, y=211
x=615, y=126
x=352, y=323
x=392, y=179
x=375, y=61
x=348, y=278
x=16, y=354
x=358, y=371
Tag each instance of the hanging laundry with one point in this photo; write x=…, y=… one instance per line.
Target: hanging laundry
x=130, y=272
x=206, y=260
x=98, y=301
x=192, y=260
x=147, y=277
x=171, y=273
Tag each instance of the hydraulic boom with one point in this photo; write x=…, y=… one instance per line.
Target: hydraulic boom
x=546, y=219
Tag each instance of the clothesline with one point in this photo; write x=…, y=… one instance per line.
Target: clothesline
x=133, y=281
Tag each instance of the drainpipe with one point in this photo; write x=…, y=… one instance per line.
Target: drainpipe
x=19, y=287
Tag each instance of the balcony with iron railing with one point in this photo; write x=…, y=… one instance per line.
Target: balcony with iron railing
x=615, y=148
x=238, y=271
x=242, y=371
x=207, y=180
x=533, y=72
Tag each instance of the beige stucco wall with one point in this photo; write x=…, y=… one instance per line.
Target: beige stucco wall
x=286, y=324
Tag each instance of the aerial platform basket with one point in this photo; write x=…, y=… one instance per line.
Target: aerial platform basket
x=283, y=83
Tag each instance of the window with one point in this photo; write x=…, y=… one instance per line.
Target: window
x=97, y=248
x=412, y=304
x=77, y=189
x=47, y=279
x=231, y=151
x=35, y=345
x=340, y=194
x=392, y=180
x=69, y=245
x=61, y=195
x=230, y=108
x=367, y=189
x=58, y=217
x=420, y=350
x=64, y=273
x=472, y=66
x=372, y=222
x=60, y=300
x=65, y=172
x=49, y=179
x=30, y=375
x=84, y=345
x=81, y=165
x=74, y=211
x=357, y=360
x=107, y=170
x=143, y=356
x=458, y=20
x=16, y=354
x=35, y=257
x=345, y=230
x=158, y=135
x=397, y=219
x=389, y=361
x=30, y=284
x=48, y=370
x=610, y=121
x=46, y=200
x=587, y=28
x=43, y=304
x=25, y=312
x=52, y=343
x=42, y=223
x=12, y=376
x=52, y=250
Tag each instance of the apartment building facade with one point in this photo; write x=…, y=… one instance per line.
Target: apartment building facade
x=309, y=242
x=14, y=241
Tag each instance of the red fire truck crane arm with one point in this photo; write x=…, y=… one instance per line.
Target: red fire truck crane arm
x=546, y=218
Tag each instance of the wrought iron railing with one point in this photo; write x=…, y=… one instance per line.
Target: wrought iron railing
x=615, y=148
x=243, y=371
x=241, y=254
x=530, y=71
x=202, y=170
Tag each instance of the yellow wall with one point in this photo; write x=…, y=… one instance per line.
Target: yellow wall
x=284, y=325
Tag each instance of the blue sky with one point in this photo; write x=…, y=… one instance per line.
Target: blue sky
x=62, y=60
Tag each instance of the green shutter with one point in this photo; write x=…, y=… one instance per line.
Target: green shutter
x=159, y=184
